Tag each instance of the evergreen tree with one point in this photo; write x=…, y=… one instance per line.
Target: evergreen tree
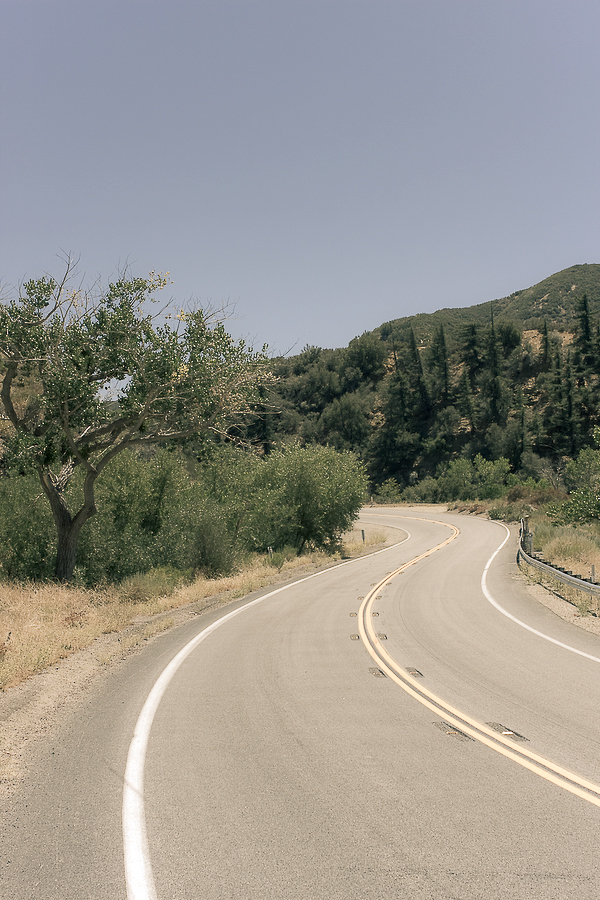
x=465, y=400
x=419, y=395
x=544, y=359
x=439, y=368
x=395, y=445
x=470, y=352
x=583, y=338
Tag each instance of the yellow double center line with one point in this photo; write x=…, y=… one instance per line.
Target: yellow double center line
x=587, y=790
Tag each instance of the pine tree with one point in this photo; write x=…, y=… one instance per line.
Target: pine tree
x=439, y=368
x=470, y=352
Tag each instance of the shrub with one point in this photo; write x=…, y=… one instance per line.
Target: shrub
x=213, y=548
x=388, y=492
x=426, y=491
x=27, y=534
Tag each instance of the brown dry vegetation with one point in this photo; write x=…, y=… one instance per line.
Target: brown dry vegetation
x=43, y=623
x=572, y=547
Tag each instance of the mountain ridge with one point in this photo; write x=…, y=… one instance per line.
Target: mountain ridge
x=548, y=300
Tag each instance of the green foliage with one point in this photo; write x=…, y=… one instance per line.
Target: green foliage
x=171, y=377
x=322, y=492
x=213, y=548
x=27, y=536
x=427, y=490
x=153, y=517
x=389, y=492
x=463, y=479
x=294, y=497
x=582, y=506
x=583, y=476
x=147, y=515
x=517, y=378
x=583, y=473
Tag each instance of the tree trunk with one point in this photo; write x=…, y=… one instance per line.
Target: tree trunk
x=68, y=527
x=66, y=552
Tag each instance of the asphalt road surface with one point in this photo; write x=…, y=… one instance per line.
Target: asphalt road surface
x=410, y=724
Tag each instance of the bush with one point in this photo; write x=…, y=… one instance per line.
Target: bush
x=143, y=519
x=153, y=517
x=426, y=491
x=512, y=512
x=213, y=548
x=389, y=492
x=278, y=558
x=297, y=496
x=27, y=534
x=319, y=495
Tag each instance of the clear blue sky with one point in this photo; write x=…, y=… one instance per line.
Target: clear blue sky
x=326, y=165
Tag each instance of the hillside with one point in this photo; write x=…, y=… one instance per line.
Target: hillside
x=516, y=378
x=554, y=299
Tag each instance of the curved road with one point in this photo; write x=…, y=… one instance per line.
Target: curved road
x=388, y=728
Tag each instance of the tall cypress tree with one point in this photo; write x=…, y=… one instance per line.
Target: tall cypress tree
x=439, y=368
x=583, y=338
x=470, y=352
x=421, y=403
x=544, y=358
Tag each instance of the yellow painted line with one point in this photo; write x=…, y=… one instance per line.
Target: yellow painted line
x=476, y=730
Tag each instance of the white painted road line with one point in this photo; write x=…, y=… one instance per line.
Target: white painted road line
x=138, y=868
x=508, y=615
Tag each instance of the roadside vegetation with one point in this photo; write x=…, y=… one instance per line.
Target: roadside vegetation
x=563, y=509
x=514, y=382
x=44, y=622
x=128, y=478
x=170, y=531
x=149, y=461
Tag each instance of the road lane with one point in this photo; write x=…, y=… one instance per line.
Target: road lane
x=304, y=775
x=490, y=666
x=280, y=766
x=496, y=736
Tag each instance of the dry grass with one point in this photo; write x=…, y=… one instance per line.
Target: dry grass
x=575, y=548
x=355, y=546
x=43, y=623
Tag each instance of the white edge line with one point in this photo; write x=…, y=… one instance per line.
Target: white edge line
x=508, y=615
x=138, y=869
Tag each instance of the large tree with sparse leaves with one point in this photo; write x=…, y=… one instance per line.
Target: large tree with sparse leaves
x=86, y=374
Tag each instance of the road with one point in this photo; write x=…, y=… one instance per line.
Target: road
x=292, y=754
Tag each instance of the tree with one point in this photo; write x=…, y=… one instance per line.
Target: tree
x=583, y=337
x=86, y=374
x=365, y=361
x=320, y=492
x=296, y=496
x=421, y=402
x=544, y=360
x=470, y=353
x=439, y=367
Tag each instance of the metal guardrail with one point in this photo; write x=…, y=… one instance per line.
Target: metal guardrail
x=526, y=553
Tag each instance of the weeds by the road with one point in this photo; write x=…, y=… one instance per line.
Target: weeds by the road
x=43, y=623
x=575, y=548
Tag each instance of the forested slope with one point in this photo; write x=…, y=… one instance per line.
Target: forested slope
x=517, y=377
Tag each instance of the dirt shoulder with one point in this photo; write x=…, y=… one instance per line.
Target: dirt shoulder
x=31, y=711
x=562, y=608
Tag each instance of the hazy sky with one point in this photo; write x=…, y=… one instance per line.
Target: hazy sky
x=327, y=165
